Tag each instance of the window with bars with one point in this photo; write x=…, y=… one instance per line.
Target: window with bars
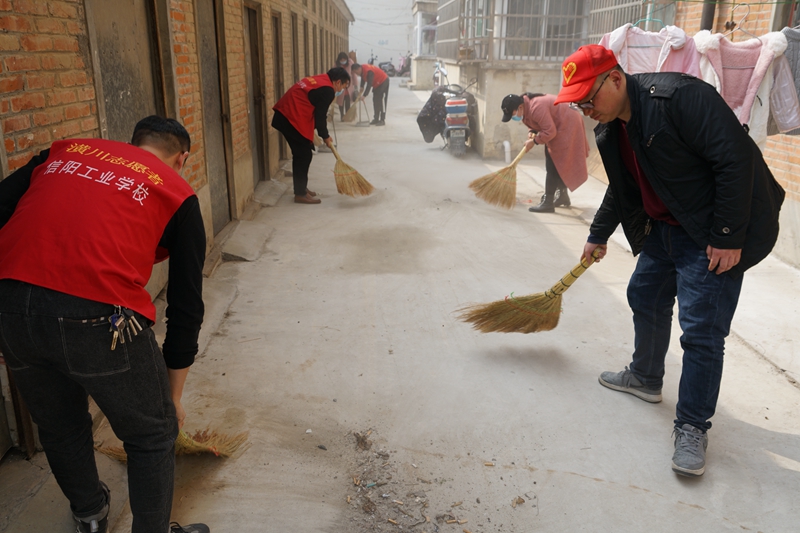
x=607, y=15
x=511, y=30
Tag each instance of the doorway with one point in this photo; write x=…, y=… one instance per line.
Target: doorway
x=256, y=111
x=129, y=68
x=213, y=128
x=277, y=65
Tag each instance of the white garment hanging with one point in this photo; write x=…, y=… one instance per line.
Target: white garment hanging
x=638, y=51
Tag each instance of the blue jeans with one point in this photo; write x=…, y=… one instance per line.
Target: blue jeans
x=671, y=264
x=58, y=358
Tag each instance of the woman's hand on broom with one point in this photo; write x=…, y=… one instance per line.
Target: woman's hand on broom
x=593, y=252
x=177, y=379
x=529, y=144
x=328, y=141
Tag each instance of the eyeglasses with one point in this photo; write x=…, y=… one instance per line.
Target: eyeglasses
x=588, y=104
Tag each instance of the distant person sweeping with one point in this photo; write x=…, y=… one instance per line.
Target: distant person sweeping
x=560, y=129
x=344, y=100
x=374, y=78
x=303, y=108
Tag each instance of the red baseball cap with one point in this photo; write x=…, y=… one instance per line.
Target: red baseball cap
x=581, y=69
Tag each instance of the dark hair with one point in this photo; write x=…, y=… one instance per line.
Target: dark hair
x=342, y=55
x=165, y=133
x=355, y=66
x=338, y=74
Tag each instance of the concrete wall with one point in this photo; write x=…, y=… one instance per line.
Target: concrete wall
x=422, y=74
x=494, y=83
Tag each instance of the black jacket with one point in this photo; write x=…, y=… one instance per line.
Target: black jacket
x=701, y=163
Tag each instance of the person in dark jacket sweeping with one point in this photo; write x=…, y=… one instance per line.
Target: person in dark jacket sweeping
x=699, y=206
x=303, y=108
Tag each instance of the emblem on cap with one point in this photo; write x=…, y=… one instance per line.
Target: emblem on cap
x=569, y=70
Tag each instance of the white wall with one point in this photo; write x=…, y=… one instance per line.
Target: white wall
x=384, y=28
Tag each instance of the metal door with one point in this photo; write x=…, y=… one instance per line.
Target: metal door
x=255, y=91
x=130, y=69
x=214, y=140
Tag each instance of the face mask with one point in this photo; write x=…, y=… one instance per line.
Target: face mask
x=516, y=118
x=340, y=93
x=344, y=62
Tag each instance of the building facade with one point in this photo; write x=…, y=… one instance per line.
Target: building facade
x=93, y=68
x=513, y=46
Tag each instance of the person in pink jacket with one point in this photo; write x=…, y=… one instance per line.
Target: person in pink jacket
x=561, y=131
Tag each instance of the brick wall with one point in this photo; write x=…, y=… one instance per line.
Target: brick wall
x=781, y=153
x=187, y=77
x=46, y=85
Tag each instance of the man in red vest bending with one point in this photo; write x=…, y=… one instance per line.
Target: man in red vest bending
x=375, y=78
x=81, y=226
x=303, y=108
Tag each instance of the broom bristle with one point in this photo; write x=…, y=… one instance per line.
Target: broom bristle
x=498, y=188
x=205, y=441
x=350, y=182
x=350, y=116
x=525, y=314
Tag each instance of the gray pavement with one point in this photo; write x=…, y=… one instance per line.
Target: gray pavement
x=344, y=322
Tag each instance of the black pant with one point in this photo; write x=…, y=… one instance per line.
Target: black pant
x=59, y=349
x=380, y=100
x=553, y=181
x=301, y=152
x=345, y=107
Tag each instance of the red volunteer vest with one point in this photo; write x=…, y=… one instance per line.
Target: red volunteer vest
x=379, y=76
x=90, y=222
x=294, y=105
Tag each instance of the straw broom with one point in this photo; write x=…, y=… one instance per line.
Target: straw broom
x=348, y=180
x=524, y=314
x=500, y=187
x=350, y=116
x=204, y=441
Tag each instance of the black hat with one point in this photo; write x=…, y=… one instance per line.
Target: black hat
x=510, y=104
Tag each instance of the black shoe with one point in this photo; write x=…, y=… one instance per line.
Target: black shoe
x=175, y=527
x=561, y=198
x=545, y=206
x=98, y=522
x=380, y=123
x=373, y=122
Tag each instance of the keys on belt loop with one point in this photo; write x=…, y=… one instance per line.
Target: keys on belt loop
x=123, y=322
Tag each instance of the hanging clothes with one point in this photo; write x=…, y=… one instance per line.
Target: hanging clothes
x=639, y=51
x=787, y=79
x=742, y=74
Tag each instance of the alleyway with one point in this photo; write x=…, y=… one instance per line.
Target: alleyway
x=346, y=324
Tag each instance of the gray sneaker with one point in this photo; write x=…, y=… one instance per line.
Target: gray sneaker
x=689, y=458
x=625, y=381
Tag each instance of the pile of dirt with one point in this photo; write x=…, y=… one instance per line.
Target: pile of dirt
x=384, y=495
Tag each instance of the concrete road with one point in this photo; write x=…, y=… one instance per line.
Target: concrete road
x=345, y=324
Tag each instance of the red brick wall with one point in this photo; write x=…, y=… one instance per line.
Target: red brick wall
x=46, y=86
x=781, y=153
x=187, y=77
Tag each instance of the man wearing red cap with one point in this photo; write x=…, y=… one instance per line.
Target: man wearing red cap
x=699, y=206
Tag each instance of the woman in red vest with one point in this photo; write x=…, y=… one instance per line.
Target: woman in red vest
x=375, y=78
x=303, y=108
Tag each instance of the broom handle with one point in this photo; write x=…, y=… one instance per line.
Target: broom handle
x=567, y=281
x=519, y=157
x=335, y=153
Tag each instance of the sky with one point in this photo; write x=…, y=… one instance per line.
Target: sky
x=382, y=27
